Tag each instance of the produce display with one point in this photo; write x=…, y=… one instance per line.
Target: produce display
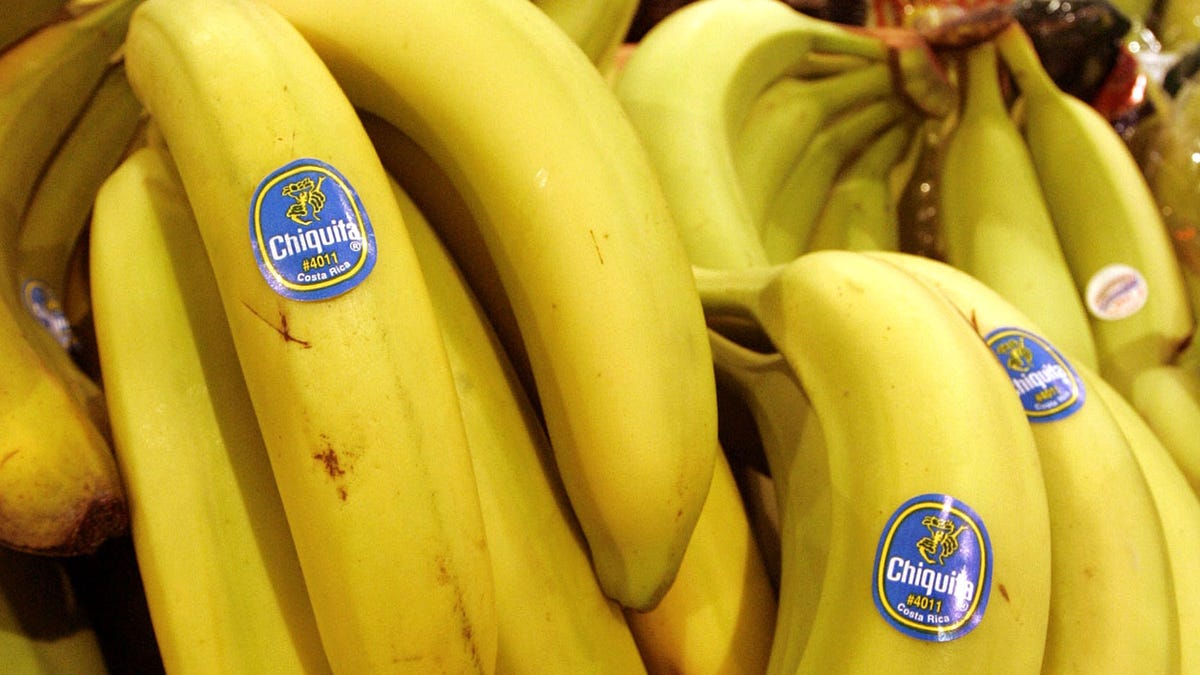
x=599, y=336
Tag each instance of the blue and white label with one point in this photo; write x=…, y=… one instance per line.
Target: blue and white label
x=310, y=232
x=1048, y=385
x=41, y=301
x=933, y=568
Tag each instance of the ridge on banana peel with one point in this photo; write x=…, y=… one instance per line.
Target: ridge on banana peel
x=214, y=552
x=347, y=372
x=551, y=614
x=1109, y=224
x=575, y=222
x=1112, y=601
x=866, y=341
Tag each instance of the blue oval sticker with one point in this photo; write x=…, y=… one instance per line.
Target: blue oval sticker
x=310, y=233
x=933, y=568
x=1048, y=385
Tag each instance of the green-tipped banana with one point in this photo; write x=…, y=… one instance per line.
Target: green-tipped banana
x=994, y=221
x=334, y=329
x=1108, y=222
x=859, y=212
x=790, y=218
x=599, y=27
x=1111, y=598
x=939, y=529
x=214, y=552
x=575, y=224
x=551, y=614
x=794, y=445
x=784, y=118
x=58, y=210
x=689, y=86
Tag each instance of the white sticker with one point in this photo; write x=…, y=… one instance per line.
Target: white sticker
x=1115, y=292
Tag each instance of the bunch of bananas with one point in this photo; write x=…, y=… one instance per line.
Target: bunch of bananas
x=469, y=337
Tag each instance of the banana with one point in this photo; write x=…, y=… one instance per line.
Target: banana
x=791, y=216
x=719, y=614
x=1108, y=222
x=953, y=481
x=216, y=558
x=43, y=631
x=24, y=18
x=1168, y=398
x=1178, y=512
x=793, y=442
x=691, y=83
x=60, y=492
x=552, y=616
x=782, y=120
x=45, y=80
x=599, y=27
x=1111, y=600
x=58, y=209
x=574, y=221
x=859, y=210
x=334, y=330
x=994, y=219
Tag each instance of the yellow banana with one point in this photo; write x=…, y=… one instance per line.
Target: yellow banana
x=994, y=220
x=58, y=209
x=690, y=84
x=552, y=616
x=60, y=492
x=783, y=119
x=599, y=27
x=1178, y=512
x=792, y=215
x=1111, y=598
x=574, y=221
x=44, y=82
x=1108, y=222
x=43, y=631
x=794, y=444
x=719, y=614
x=334, y=330
x=859, y=211
x=947, y=521
x=216, y=559
x=1168, y=398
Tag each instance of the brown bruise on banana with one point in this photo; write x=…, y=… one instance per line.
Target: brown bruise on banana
x=596, y=245
x=331, y=463
x=281, y=327
x=446, y=578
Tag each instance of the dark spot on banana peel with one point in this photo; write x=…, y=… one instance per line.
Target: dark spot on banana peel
x=9, y=455
x=1003, y=592
x=281, y=327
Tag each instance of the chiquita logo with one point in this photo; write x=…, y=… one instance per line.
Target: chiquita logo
x=933, y=568
x=1049, y=387
x=310, y=233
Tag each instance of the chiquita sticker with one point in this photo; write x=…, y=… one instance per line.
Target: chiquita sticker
x=45, y=306
x=1048, y=385
x=310, y=233
x=933, y=568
